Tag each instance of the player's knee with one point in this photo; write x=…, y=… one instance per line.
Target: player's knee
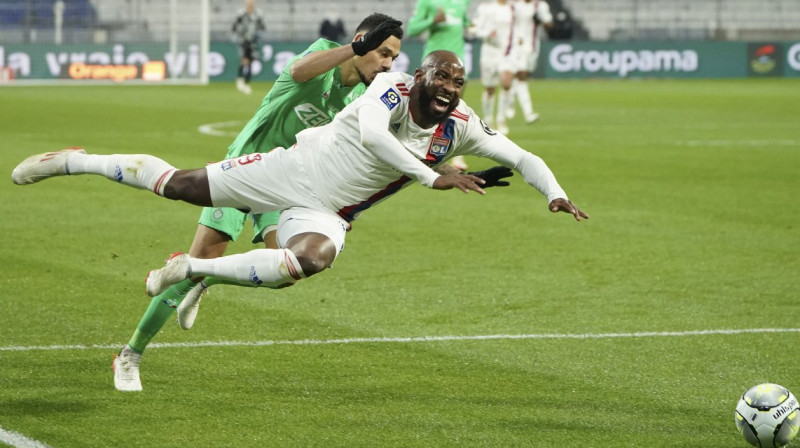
x=312, y=263
x=314, y=252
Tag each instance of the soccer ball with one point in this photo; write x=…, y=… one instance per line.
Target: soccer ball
x=768, y=415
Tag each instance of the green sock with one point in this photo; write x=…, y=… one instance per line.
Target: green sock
x=160, y=310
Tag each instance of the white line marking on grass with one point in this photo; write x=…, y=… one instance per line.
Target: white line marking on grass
x=18, y=440
x=212, y=129
x=729, y=143
x=639, y=334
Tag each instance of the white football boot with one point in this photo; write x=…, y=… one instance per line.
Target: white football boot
x=176, y=269
x=126, y=370
x=190, y=305
x=532, y=118
x=41, y=166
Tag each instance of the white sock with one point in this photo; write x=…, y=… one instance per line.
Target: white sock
x=524, y=97
x=260, y=267
x=135, y=170
x=506, y=99
x=487, y=100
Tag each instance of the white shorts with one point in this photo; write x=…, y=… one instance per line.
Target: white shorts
x=275, y=181
x=527, y=60
x=297, y=220
x=262, y=182
x=490, y=63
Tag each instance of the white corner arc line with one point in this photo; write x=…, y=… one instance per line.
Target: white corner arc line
x=212, y=129
x=18, y=440
x=641, y=334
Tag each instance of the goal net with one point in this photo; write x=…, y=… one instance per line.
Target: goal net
x=103, y=41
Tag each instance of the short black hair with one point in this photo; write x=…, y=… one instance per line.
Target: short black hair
x=376, y=19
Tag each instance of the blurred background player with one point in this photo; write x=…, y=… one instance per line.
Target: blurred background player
x=312, y=88
x=442, y=24
x=530, y=16
x=247, y=29
x=444, y=21
x=493, y=24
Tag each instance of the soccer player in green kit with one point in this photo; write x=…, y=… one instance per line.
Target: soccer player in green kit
x=313, y=87
x=445, y=21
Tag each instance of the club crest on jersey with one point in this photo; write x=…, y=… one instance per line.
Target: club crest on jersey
x=439, y=146
x=390, y=99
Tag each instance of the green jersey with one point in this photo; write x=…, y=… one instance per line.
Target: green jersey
x=447, y=35
x=292, y=106
x=288, y=108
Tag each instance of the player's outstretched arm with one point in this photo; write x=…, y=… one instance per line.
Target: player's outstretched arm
x=493, y=177
x=464, y=182
x=318, y=62
x=422, y=19
x=564, y=205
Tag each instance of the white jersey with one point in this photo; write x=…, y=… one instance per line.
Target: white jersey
x=493, y=24
x=349, y=178
x=527, y=32
x=370, y=150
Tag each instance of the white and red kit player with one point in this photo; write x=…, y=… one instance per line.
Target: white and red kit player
x=530, y=19
x=493, y=23
x=392, y=135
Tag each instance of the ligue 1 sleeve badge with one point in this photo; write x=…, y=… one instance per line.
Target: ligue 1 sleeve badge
x=390, y=98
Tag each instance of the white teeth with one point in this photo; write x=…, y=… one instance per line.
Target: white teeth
x=443, y=99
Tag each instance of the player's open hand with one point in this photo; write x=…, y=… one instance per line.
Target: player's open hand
x=563, y=205
x=463, y=182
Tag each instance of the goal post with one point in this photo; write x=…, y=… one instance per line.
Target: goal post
x=104, y=41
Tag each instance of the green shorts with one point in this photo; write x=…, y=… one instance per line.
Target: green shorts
x=230, y=221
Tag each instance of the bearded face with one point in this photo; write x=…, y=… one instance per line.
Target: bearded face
x=437, y=96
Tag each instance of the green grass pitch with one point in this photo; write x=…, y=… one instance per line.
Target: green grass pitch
x=692, y=190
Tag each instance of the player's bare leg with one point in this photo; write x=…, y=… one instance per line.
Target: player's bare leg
x=141, y=171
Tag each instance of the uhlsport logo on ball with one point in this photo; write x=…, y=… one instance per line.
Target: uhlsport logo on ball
x=768, y=415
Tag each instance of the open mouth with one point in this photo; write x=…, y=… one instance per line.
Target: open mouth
x=440, y=104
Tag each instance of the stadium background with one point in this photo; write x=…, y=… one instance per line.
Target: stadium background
x=39, y=39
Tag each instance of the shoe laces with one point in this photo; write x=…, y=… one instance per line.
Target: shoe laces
x=129, y=361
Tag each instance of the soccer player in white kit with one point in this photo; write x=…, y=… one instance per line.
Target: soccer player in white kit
x=391, y=136
x=530, y=18
x=493, y=23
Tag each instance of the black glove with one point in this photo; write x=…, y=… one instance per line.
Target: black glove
x=493, y=175
x=375, y=37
